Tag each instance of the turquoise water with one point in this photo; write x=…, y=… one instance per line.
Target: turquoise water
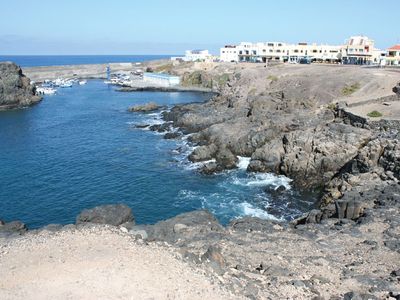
x=80, y=148
x=61, y=60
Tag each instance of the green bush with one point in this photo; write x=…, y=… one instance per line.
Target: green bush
x=350, y=89
x=223, y=79
x=332, y=106
x=374, y=114
x=272, y=78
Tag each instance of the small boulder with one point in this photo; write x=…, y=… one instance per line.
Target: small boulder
x=396, y=89
x=172, y=135
x=226, y=158
x=203, y=153
x=148, y=107
x=358, y=296
x=210, y=168
x=113, y=214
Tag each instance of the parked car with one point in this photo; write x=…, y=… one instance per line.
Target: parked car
x=305, y=61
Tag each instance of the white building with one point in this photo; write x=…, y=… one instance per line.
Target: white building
x=161, y=79
x=229, y=53
x=357, y=50
x=197, y=55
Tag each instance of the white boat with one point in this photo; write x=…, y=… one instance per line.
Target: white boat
x=82, y=82
x=66, y=85
x=45, y=91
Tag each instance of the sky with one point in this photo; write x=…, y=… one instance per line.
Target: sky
x=49, y=27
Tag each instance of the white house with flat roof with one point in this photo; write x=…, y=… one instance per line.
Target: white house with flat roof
x=229, y=53
x=197, y=55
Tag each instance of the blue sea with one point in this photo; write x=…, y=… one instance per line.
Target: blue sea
x=81, y=148
x=61, y=60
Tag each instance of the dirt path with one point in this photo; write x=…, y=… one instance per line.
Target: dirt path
x=96, y=264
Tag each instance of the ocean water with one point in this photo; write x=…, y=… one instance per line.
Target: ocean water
x=60, y=60
x=80, y=148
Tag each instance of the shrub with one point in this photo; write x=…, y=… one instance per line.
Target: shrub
x=272, y=78
x=350, y=89
x=223, y=79
x=332, y=106
x=374, y=114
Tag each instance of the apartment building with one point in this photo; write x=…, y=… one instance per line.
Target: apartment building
x=229, y=53
x=357, y=50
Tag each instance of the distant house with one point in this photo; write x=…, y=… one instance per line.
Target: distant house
x=229, y=53
x=393, y=56
x=161, y=79
x=197, y=55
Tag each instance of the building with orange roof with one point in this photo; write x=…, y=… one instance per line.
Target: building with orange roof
x=393, y=56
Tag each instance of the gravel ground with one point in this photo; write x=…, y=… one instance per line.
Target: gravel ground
x=97, y=263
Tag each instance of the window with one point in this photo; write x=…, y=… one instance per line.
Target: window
x=314, y=51
x=270, y=44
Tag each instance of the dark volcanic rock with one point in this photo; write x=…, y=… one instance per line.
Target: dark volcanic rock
x=16, y=90
x=172, y=135
x=12, y=228
x=190, y=226
x=203, y=153
x=148, y=107
x=113, y=214
x=396, y=89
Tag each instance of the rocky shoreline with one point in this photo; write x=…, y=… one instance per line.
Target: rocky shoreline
x=254, y=258
x=289, y=123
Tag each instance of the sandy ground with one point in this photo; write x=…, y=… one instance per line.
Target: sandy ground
x=96, y=264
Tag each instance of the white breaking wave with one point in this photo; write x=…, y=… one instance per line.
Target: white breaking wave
x=198, y=165
x=264, y=179
x=250, y=210
x=243, y=162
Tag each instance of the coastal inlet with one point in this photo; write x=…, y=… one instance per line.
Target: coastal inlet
x=81, y=148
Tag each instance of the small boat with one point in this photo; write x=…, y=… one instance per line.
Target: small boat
x=82, y=82
x=66, y=85
x=45, y=91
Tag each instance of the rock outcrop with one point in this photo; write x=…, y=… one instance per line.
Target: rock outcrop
x=16, y=90
x=148, y=107
x=112, y=214
x=396, y=89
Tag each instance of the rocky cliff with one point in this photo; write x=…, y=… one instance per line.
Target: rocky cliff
x=16, y=90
